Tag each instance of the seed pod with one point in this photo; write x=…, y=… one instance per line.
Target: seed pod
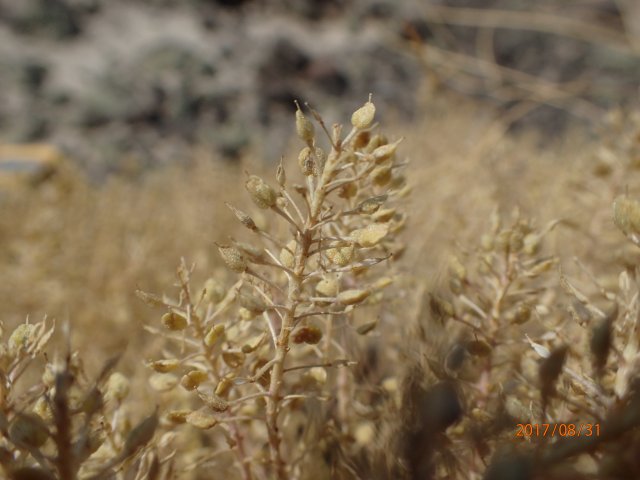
x=150, y=299
x=521, y=314
x=287, y=254
x=174, y=321
x=117, y=386
x=214, y=402
x=165, y=365
x=304, y=128
x=385, y=152
x=28, y=429
x=213, y=292
x=262, y=194
x=381, y=175
x=309, y=334
x=367, y=327
x=352, y=297
x=363, y=117
x=384, y=215
x=371, y=205
x=233, y=359
x=252, y=303
x=340, y=256
x=214, y=334
x=233, y=258
x=163, y=382
x=375, y=141
x=178, y=416
x=245, y=219
x=457, y=268
x=193, y=379
x=201, y=419
x=626, y=215
x=140, y=435
x=223, y=387
x=371, y=235
x=328, y=287
x=306, y=161
x=20, y=338
x=361, y=140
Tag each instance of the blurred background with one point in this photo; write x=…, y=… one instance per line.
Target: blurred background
x=125, y=85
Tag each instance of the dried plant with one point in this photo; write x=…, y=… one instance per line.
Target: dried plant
x=65, y=425
x=278, y=340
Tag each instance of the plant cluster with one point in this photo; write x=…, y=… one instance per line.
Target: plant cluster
x=267, y=360
x=57, y=422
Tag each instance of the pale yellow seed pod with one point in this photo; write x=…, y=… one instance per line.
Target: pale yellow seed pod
x=214, y=333
x=381, y=283
x=174, y=321
x=306, y=161
x=384, y=215
x=117, y=387
x=626, y=215
x=193, y=379
x=246, y=314
x=385, y=152
x=28, y=429
x=328, y=286
x=287, y=254
x=281, y=176
x=371, y=235
x=304, y=128
x=42, y=409
x=201, y=419
x=233, y=258
x=372, y=205
x=20, y=338
x=340, y=256
x=374, y=142
x=165, y=365
x=213, y=291
x=352, y=297
x=223, y=387
x=233, y=359
x=457, y=268
x=363, y=117
x=162, y=382
x=178, y=416
x=380, y=176
x=262, y=194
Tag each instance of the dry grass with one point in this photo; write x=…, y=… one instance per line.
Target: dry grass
x=461, y=350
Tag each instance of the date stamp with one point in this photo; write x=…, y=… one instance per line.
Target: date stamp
x=528, y=430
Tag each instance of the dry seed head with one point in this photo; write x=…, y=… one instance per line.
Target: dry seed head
x=340, y=256
x=626, y=215
x=28, y=429
x=214, y=334
x=309, y=334
x=164, y=366
x=371, y=235
x=304, y=127
x=174, y=321
x=20, y=338
x=287, y=254
x=201, y=419
x=306, y=161
x=214, y=402
x=233, y=258
x=328, y=286
x=193, y=379
x=262, y=194
x=352, y=297
x=245, y=219
x=363, y=117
